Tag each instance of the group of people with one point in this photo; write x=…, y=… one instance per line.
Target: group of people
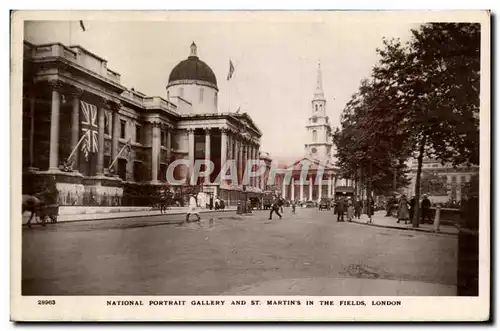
x=351, y=208
x=406, y=209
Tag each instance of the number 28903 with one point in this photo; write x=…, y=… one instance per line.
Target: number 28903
x=46, y=302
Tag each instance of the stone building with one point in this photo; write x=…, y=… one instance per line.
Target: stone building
x=98, y=139
x=442, y=183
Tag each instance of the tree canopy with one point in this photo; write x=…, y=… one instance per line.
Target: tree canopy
x=422, y=100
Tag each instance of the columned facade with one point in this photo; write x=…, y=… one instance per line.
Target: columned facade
x=101, y=142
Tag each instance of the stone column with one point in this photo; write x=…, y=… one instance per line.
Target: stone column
x=100, y=142
x=54, y=125
x=320, y=188
x=32, y=131
x=250, y=158
x=190, y=132
x=207, y=152
x=75, y=123
x=329, y=185
x=240, y=161
x=301, y=189
x=310, y=189
x=223, y=146
x=244, y=159
x=292, y=197
x=116, y=133
x=169, y=143
x=283, y=189
x=236, y=156
x=155, y=151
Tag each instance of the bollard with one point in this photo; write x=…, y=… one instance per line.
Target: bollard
x=437, y=219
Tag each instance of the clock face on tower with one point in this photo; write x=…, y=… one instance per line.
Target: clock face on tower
x=313, y=150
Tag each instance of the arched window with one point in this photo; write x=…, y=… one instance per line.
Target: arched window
x=215, y=98
x=315, y=135
x=168, y=95
x=201, y=94
x=181, y=92
x=320, y=107
x=316, y=106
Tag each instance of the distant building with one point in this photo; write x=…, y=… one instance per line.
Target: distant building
x=121, y=138
x=442, y=183
x=321, y=180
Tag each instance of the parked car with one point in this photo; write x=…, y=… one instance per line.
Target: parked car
x=309, y=204
x=324, y=204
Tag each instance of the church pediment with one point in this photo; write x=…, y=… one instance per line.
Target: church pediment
x=312, y=163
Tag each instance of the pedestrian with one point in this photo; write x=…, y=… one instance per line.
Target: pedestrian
x=340, y=209
x=357, y=208
x=370, y=209
x=293, y=206
x=192, y=208
x=350, y=210
x=412, y=207
x=426, y=208
x=281, y=202
x=275, y=208
x=403, y=212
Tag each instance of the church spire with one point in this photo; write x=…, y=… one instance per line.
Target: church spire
x=318, y=93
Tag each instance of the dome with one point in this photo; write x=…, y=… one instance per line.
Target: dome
x=192, y=69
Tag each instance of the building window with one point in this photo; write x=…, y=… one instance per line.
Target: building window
x=122, y=169
x=163, y=138
x=168, y=95
x=320, y=107
x=315, y=135
x=137, y=133
x=123, y=125
x=162, y=176
x=201, y=94
x=138, y=171
x=215, y=99
x=107, y=161
x=181, y=92
x=316, y=107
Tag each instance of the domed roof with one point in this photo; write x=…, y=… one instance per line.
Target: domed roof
x=192, y=69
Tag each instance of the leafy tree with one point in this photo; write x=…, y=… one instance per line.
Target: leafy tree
x=422, y=101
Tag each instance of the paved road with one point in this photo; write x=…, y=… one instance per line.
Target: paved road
x=305, y=253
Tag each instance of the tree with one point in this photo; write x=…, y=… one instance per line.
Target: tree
x=422, y=101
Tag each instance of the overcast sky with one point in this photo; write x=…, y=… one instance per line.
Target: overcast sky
x=275, y=62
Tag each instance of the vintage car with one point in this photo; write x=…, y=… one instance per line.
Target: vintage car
x=309, y=204
x=324, y=204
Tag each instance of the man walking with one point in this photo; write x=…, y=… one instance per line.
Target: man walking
x=412, y=207
x=192, y=208
x=340, y=209
x=275, y=208
x=357, y=208
x=426, y=208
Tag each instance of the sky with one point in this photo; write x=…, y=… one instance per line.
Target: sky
x=275, y=61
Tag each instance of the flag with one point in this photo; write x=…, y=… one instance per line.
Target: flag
x=82, y=26
x=231, y=70
x=89, y=128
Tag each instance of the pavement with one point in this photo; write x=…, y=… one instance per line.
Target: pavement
x=72, y=215
x=306, y=253
x=380, y=220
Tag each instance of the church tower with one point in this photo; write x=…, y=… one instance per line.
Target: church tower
x=319, y=142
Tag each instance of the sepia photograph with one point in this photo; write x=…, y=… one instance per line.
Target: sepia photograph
x=187, y=158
